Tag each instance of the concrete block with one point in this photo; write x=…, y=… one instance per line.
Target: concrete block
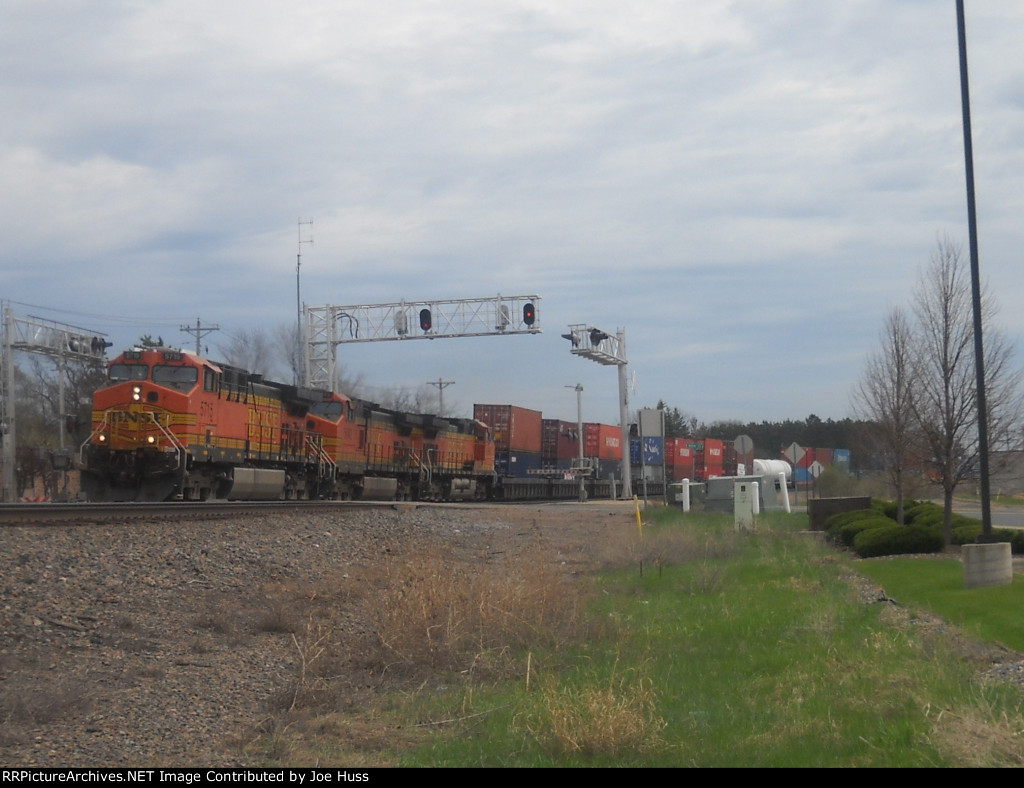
x=987, y=564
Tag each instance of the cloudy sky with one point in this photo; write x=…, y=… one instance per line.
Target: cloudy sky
x=744, y=187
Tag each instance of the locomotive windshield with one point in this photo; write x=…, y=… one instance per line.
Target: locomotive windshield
x=330, y=410
x=119, y=373
x=180, y=378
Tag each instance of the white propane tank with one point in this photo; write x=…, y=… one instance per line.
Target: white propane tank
x=771, y=469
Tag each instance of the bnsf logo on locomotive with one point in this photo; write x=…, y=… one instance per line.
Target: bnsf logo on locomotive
x=148, y=417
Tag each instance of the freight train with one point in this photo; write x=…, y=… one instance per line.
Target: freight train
x=172, y=425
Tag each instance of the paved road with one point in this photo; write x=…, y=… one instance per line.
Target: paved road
x=1002, y=516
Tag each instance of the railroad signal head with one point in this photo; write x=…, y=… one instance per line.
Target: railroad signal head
x=426, y=319
x=529, y=314
x=597, y=336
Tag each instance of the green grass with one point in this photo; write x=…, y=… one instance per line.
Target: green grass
x=992, y=613
x=745, y=650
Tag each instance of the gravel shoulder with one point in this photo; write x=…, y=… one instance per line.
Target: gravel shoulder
x=147, y=644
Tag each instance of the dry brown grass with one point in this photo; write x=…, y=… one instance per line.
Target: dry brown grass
x=417, y=616
x=441, y=615
x=651, y=548
x=397, y=624
x=977, y=738
x=604, y=718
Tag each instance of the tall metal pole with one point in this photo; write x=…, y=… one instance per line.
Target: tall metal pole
x=972, y=225
x=304, y=372
x=579, y=438
x=10, y=421
x=627, y=484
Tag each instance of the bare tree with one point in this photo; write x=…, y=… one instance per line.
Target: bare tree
x=288, y=344
x=250, y=350
x=945, y=402
x=884, y=397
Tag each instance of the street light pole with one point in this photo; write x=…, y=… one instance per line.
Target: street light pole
x=579, y=438
x=972, y=226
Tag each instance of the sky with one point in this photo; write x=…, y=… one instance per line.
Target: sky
x=744, y=188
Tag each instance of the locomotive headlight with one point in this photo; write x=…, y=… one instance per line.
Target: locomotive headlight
x=151, y=439
x=101, y=438
x=136, y=393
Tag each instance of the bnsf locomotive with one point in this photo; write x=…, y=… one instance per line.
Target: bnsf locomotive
x=173, y=425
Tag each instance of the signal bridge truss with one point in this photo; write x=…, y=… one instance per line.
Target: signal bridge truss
x=597, y=345
x=59, y=341
x=326, y=327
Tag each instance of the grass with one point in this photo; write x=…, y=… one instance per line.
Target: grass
x=688, y=644
x=992, y=613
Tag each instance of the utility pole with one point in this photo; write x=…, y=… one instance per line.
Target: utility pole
x=441, y=386
x=198, y=331
x=298, y=265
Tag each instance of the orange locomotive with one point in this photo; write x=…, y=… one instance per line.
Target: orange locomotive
x=173, y=425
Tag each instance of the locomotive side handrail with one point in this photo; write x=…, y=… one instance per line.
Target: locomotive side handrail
x=180, y=448
x=315, y=444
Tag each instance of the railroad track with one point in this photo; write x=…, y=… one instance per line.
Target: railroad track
x=87, y=513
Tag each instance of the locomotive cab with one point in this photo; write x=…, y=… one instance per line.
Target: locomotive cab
x=137, y=449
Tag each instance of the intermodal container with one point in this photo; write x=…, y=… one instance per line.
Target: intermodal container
x=647, y=451
x=730, y=459
x=714, y=458
x=559, y=441
x=603, y=441
x=679, y=459
x=654, y=450
x=517, y=463
x=515, y=429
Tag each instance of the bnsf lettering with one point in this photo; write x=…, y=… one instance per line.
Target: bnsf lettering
x=135, y=418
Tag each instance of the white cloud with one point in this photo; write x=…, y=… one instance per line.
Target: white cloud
x=710, y=176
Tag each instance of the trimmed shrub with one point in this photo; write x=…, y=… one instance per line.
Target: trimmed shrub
x=1013, y=536
x=923, y=513
x=837, y=521
x=967, y=532
x=897, y=540
x=847, y=534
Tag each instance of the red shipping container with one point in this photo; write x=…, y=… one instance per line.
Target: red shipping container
x=680, y=459
x=559, y=440
x=603, y=441
x=714, y=458
x=514, y=428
